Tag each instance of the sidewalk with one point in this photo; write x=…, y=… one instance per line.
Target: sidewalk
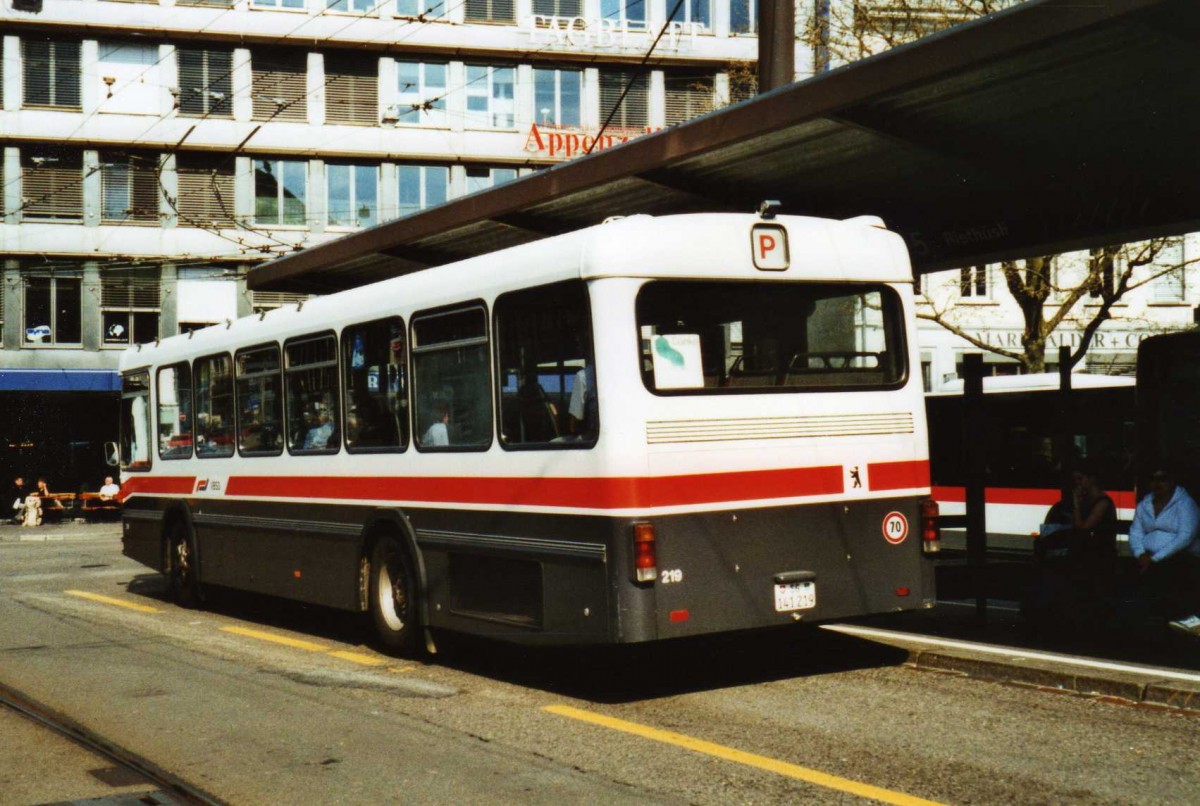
x=65, y=531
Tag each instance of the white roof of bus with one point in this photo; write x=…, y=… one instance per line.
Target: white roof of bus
x=698, y=246
x=1038, y=381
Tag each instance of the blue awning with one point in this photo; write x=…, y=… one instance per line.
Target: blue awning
x=59, y=380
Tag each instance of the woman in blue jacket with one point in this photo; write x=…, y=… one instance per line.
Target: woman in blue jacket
x=1164, y=544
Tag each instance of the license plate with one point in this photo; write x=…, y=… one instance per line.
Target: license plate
x=795, y=596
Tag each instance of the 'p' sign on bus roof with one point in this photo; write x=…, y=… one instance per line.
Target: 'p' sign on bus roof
x=769, y=244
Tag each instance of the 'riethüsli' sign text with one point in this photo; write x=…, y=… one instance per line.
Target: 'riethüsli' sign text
x=595, y=34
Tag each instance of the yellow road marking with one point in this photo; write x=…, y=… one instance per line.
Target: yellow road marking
x=740, y=757
x=295, y=643
x=355, y=657
x=95, y=597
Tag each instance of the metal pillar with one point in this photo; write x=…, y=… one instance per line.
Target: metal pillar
x=776, y=44
x=973, y=425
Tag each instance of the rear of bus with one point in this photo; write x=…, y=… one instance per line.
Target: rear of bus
x=763, y=413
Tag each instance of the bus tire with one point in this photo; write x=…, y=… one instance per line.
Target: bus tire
x=182, y=572
x=392, y=597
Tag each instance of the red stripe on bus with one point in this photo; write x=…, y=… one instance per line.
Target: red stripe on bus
x=898, y=475
x=594, y=493
x=1124, y=499
x=171, y=485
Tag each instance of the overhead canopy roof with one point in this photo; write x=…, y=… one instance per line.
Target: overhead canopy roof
x=1055, y=125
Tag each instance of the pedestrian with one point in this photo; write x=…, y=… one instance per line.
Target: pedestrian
x=16, y=499
x=110, y=489
x=1163, y=542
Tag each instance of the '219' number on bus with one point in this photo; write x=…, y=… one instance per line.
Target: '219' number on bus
x=672, y=575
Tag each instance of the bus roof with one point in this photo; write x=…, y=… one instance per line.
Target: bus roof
x=696, y=246
x=1038, y=381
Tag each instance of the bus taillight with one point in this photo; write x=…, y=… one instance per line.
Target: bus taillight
x=931, y=536
x=645, y=557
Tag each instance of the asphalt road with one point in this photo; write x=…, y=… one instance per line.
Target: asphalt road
x=257, y=701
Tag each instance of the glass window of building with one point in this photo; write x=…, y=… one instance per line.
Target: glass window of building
x=558, y=8
x=277, y=3
x=627, y=13
x=129, y=188
x=214, y=406
x=279, y=84
x=280, y=192
x=1168, y=270
x=53, y=310
x=51, y=184
x=426, y=9
x=127, y=78
x=743, y=16
x=632, y=112
x=130, y=302
x=490, y=97
x=688, y=96
x=452, y=388
x=422, y=186
x=501, y=11
x=557, y=97
x=259, y=402
x=51, y=73
x=973, y=282
x=205, y=82
x=353, y=195
x=375, y=372
x=352, y=89
x=484, y=178
x=421, y=91
x=206, y=189
x=696, y=11
x=357, y=6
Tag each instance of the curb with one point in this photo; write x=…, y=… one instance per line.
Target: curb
x=1140, y=689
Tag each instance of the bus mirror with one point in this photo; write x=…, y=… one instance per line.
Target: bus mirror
x=111, y=454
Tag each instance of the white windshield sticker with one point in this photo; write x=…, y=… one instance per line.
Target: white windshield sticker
x=677, y=363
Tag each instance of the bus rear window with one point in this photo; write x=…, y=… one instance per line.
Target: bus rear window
x=732, y=337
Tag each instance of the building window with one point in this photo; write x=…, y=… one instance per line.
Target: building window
x=357, y=6
x=696, y=11
x=311, y=381
x=53, y=310
x=130, y=300
x=280, y=192
x=412, y=8
x=205, y=82
x=129, y=188
x=973, y=282
x=743, y=16
x=375, y=371
x=214, y=406
x=547, y=371
x=51, y=184
x=421, y=88
x=1168, y=265
x=501, y=11
x=557, y=97
x=353, y=195
x=262, y=301
x=351, y=89
x=484, y=178
x=51, y=73
x=216, y=3
x=628, y=13
x=280, y=85
x=260, y=402
x=688, y=96
x=206, y=189
x=127, y=78
x=490, y=97
x=422, y=186
x=558, y=8
x=277, y=3
x=634, y=111
x=450, y=364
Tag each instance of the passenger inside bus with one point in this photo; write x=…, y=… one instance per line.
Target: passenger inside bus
x=438, y=434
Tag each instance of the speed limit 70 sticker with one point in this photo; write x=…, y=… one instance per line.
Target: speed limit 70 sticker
x=895, y=527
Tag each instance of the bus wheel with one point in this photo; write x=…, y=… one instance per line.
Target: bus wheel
x=392, y=597
x=181, y=567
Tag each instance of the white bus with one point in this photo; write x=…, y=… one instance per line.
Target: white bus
x=651, y=428
x=1023, y=476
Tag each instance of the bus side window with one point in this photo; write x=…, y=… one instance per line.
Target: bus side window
x=547, y=367
x=135, y=421
x=311, y=390
x=451, y=380
x=260, y=404
x=375, y=385
x=175, y=412
x=214, y=406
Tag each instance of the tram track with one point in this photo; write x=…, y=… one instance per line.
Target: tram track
x=171, y=786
